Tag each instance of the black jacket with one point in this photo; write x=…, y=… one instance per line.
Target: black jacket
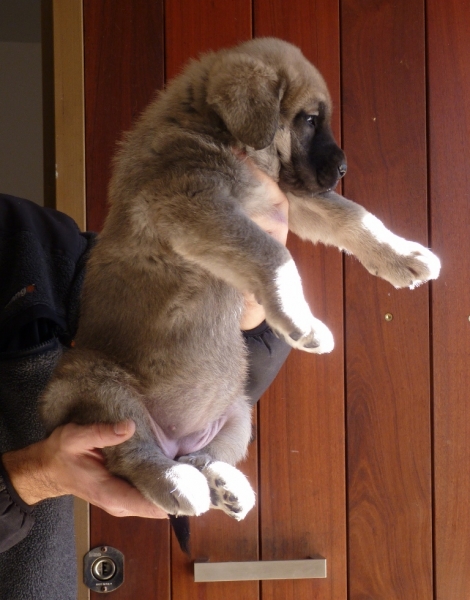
x=42, y=262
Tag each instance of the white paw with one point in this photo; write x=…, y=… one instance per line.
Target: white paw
x=421, y=264
x=291, y=318
x=189, y=491
x=199, y=461
x=411, y=266
x=398, y=261
x=318, y=339
x=229, y=489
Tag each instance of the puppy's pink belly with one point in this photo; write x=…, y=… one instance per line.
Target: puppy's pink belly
x=173, y=446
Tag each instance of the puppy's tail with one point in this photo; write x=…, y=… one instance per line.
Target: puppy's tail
x=180, y=526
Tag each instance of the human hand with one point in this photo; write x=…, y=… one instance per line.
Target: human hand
x=70, y=461
x=276, y=224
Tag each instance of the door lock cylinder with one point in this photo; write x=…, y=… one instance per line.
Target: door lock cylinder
x=103, y=570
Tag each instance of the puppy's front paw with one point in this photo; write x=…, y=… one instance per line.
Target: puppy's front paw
x=421, y=264
x=317, y=339
x=407, y=264
x=290, y=317
x=400, y=262
x=229, y=488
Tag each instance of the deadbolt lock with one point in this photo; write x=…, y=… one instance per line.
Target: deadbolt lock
x=103, y=569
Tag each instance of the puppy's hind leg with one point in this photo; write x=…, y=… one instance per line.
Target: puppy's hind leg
x=230, y=490
x=180, y=489
x=109, y=394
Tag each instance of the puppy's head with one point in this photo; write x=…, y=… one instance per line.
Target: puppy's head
x=269, y=95
x=246, y=92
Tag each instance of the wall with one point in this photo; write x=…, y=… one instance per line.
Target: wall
x=21, y=123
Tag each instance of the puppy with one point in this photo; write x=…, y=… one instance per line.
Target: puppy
x=158, y=339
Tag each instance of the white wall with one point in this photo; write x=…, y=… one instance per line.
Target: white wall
x=21, y=122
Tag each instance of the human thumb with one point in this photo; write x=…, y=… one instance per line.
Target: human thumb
x=124, y=428
x=111, y=434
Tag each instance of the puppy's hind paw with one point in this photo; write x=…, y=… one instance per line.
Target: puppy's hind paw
x=189, y=491
x=199, y=461
x=230, y=490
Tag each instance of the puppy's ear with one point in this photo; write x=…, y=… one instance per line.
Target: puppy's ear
x=245, y=93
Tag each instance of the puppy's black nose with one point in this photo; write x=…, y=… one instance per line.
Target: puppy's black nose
x=343, y=167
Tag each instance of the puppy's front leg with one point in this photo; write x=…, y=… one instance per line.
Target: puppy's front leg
x=224, y=241
x=335, y=220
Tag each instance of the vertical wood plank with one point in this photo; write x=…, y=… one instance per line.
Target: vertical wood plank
x=216, y=537
x=389, y=466
x=449, y=112
x=123, y=69
x=123, y=44
x=146, y=549
x=192, y=28
x=196, y=27
x=302, y=460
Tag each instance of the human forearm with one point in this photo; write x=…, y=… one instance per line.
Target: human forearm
x=253, y=314
x=70, y=461
x=275, y=223
x=27, y=474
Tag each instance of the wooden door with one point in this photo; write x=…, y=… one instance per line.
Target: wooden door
x=449, y=183
x=361, y=455
x=389, y=405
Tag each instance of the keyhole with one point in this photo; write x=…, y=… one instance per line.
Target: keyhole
x=103, y=569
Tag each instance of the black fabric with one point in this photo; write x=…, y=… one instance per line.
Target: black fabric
x=42, y=260
x=15, y=515
x=266, y=355
x=42, y=566
x=40, y=254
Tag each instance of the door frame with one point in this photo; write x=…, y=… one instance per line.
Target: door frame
x=65, y=26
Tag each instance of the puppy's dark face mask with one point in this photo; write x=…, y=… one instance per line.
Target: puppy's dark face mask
x=316, y=163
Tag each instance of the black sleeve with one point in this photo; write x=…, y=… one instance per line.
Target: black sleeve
x=42, y=260
x=16, y=519
x=266, y=355
x=42, y=264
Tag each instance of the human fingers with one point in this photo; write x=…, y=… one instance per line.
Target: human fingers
x=120, y=499
x=76, y=469
x=275, y=221
x=82, y=438
x=276, y=195
x=253, y=312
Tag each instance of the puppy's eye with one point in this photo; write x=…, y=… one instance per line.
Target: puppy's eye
x=312, y=120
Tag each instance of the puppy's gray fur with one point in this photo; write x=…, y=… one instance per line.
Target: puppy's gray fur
x=159, y=339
